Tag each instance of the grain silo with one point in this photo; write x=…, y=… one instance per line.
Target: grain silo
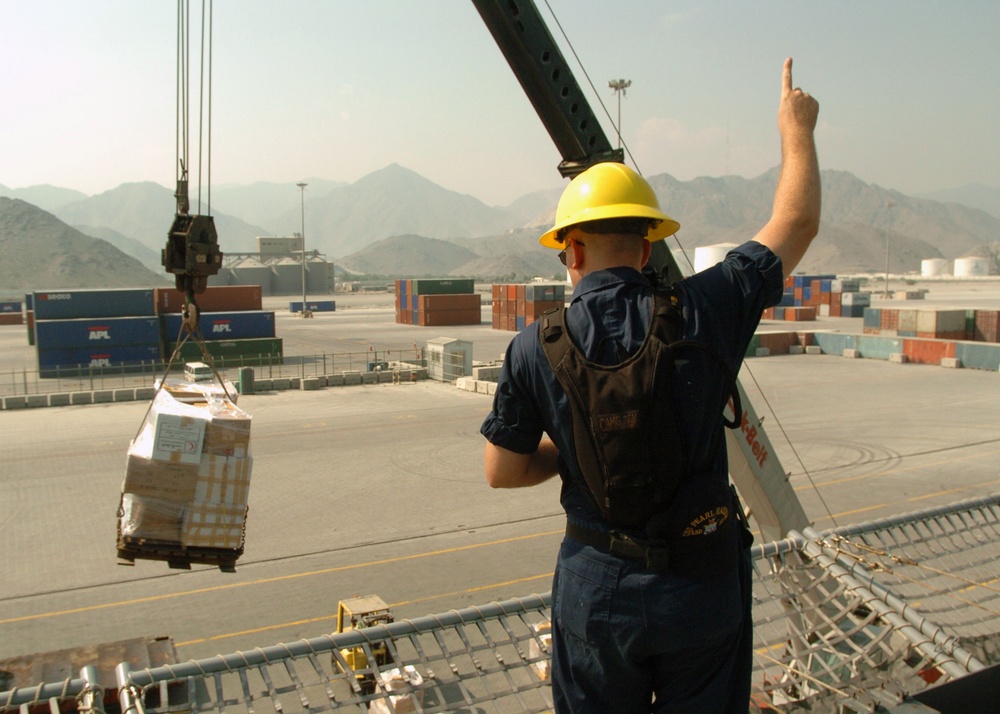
x=223, y=277
x=251, y=271
x=286, y=276
x=319, y=276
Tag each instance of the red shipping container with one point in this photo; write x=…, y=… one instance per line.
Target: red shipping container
x=216, y=298
x=800, y=314
x=778, y=342
x=927, y=351
x=462, y=301
x=441, y=318
x=11, y=318
x=889, y=319
x=520, y=291
x=987, y=326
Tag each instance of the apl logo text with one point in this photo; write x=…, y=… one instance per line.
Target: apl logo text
x=221, y=326
x=99, y=332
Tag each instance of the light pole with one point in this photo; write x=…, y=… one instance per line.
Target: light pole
x=620, y=85
x=888, y=208
x=302, y=191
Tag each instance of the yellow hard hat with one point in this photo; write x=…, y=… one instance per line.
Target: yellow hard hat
x=609, y=190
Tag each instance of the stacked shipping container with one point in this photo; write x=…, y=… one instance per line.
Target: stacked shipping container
x=237, y=331
x=429, y=302
x=11, y=312
x=79, y=331
x=950, y=324
x=807, y=296
x=96, y=331
x=517, y=305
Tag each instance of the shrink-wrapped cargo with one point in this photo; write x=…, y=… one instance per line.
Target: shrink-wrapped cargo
x=187, y=477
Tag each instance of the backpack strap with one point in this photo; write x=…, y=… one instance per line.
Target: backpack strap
x=668, y=321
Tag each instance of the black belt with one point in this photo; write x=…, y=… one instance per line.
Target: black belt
x=655, y=556
x=659, y=556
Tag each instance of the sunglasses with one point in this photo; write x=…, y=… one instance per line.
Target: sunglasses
x=562, y=253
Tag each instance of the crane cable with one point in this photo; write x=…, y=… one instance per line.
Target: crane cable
x=190, y=327
x=204, y=103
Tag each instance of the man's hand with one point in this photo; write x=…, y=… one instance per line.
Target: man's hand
x=795, y=216
x=797, y=111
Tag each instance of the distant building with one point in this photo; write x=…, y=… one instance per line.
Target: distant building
x=269, y=246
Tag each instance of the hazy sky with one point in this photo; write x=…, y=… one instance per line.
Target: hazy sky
x=909, y=91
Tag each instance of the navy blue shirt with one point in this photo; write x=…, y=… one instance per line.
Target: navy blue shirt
x=607, y=320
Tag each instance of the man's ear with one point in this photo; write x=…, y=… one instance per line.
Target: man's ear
x=578, y=256
x=647, y=249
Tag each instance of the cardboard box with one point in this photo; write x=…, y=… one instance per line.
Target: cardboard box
x=152, y=478
x=151, y=518
x=223, y=480
x=177, y=438
x=187, y=473
x=227, y=433
x=394, y=680
x=209, y=525
x=541, y=646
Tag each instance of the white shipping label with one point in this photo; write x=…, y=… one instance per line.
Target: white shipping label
x=178, y=438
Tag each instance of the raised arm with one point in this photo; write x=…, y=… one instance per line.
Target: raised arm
x=795, y=217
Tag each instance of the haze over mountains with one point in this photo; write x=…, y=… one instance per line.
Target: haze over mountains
x=395, y=222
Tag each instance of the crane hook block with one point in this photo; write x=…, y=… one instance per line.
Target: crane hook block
x=192, y=253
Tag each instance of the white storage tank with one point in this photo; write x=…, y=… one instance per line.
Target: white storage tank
x=969, y=267
x=709, y=255
x=934, y=266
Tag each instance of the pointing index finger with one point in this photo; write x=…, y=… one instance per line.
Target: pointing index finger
x=786, y=76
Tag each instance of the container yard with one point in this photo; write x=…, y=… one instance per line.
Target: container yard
x=446, y=544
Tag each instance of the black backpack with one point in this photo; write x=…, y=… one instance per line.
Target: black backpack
x=625, y=430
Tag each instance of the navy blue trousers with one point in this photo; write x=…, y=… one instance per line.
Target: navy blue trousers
x=628, y=640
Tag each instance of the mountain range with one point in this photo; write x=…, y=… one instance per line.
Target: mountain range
x=394, y=222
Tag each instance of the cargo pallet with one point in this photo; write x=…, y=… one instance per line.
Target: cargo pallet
x=177, y=556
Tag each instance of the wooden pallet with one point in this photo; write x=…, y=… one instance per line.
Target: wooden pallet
x=176, y=555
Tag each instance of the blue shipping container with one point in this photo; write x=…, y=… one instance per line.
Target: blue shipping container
x=96, y=332
x=834, y=343
x=979, y=355
x=877, y=347
x=314, y=306
x=872, y=317
x=52, y=361
x=119, y=302
x=29, y=302
x=804, y=281
x=11, y=306
x=241, y=325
